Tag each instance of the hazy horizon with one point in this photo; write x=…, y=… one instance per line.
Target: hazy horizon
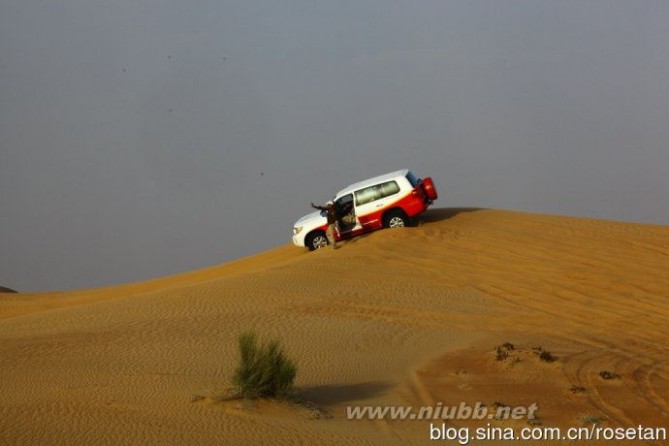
x=142, y=139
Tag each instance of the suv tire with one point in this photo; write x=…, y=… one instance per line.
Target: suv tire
x=316, y=240
x=395, y=219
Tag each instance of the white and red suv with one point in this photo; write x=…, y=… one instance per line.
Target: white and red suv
x=386, y=201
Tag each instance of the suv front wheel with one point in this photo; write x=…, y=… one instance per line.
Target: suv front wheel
x=316, y=240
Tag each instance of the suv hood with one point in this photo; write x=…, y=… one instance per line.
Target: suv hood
x=313, y=219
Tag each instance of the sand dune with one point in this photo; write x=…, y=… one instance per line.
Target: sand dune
x=401, y=317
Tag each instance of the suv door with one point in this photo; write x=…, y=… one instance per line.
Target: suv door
x=348, y=223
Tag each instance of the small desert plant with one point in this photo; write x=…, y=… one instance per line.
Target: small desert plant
x=263, y=370
x=592, y=419
x=501, y=354
x=547, y=356
x=544, y=355
x=576, y=389
x=605, y=374
x=502, y=351
x=508, y=346
x=497, y=405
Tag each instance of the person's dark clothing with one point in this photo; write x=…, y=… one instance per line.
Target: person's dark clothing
x=332, y=214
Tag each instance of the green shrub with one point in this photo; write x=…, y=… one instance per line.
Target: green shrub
x=263, y=370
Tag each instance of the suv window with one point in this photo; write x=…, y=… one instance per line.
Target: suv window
x=345, y=203
x=372, y=193
x=412, y=179
x=389, y=188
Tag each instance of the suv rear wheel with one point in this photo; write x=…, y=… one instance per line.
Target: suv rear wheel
x=395, y=219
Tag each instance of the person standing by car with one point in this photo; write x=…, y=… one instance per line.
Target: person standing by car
x=333, y=217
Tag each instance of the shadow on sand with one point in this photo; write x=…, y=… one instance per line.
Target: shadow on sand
x=440, y=214
x=332, y=394
x=430, y=216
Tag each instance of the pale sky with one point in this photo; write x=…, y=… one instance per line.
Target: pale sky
x=145, y=138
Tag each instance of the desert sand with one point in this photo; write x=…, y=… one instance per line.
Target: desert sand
x=411, y=316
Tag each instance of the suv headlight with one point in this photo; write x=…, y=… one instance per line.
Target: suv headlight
x=297, y=230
